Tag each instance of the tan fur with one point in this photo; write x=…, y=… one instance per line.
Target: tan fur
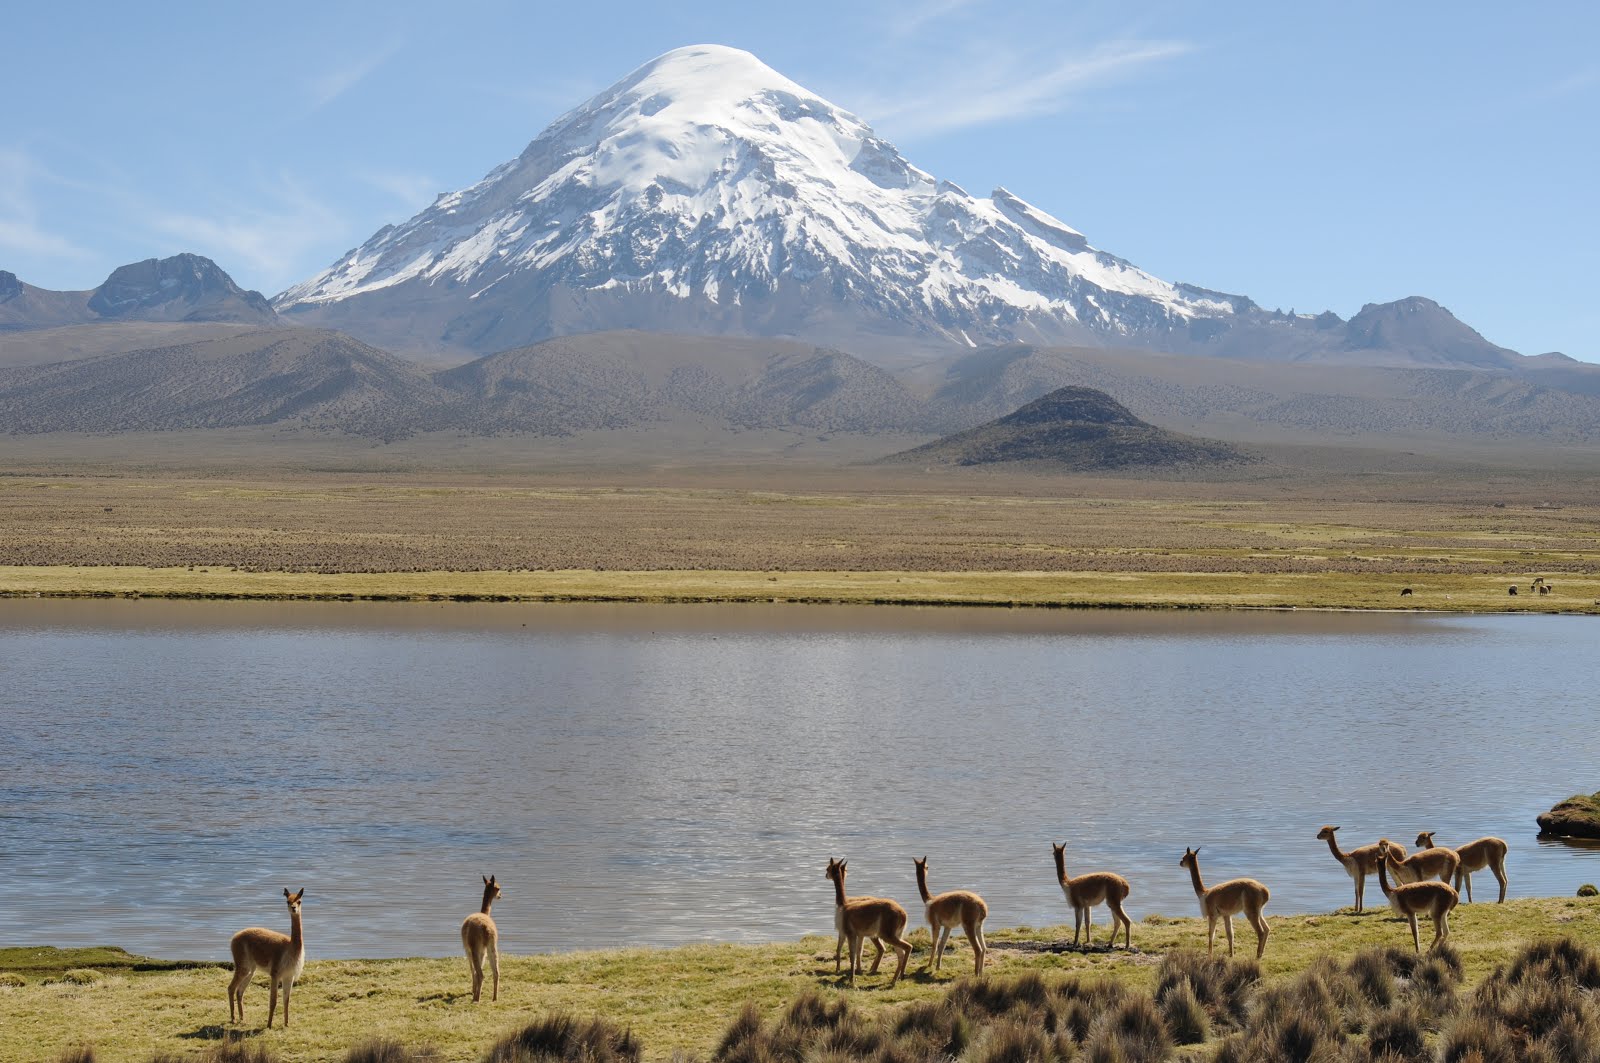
x=1436, y=899
x=481, y=938
x=1227, y=900
x=1437, y=862
x=947, y=911
x=859, y=918
x=1358, y=863
x=1088, y=890
x=1475, y=856
x=283, y=957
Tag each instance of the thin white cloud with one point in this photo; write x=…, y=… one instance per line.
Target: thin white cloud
x=906, y=19
x=328, y=86
x=20, y=230
x=265, y=238
x=1007, y=86
x=408, y=189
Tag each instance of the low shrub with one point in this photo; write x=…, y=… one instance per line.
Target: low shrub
x=564, y=1039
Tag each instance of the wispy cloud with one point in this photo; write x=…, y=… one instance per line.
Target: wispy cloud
x=329, y=85
x=407, y=189
x=1005, y=85
x=905, y=19
x=1570, y=85
x=20, y=230
x=266, y=237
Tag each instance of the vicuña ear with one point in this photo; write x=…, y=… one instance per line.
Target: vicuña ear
x=485, y=879
x=302, y=893
x=286, y=892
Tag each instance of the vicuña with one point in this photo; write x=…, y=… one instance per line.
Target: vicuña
x=1437, y=899
x=947, y=911
x=1475, y=856
x=1358, y=863
x=481, y=938
x=1088, y=890
x=1227, y=900
x=283, y=956
x=858, y=918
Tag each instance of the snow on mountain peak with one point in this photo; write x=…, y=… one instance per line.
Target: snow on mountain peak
x=706, y=176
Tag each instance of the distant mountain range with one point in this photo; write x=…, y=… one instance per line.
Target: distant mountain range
x=706, y=193
x=707, y=242
x=322, y=380
x=183, y=288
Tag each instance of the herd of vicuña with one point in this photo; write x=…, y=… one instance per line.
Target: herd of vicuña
x=1421, y=885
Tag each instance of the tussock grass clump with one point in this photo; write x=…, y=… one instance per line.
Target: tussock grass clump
x=564, y=1039
x=1017, y=1041
x=78, y=976
x=1132, y=1032
x=391, y=1051
x=1185, y=1016
x=233, y=1048
x=1398, y=1034
x=1223, y=987
x=11, y=980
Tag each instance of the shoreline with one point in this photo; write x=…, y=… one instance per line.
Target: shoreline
x=1079, y=590
x=678, y=1000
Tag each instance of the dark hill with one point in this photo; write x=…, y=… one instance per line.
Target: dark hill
x=1076, y=429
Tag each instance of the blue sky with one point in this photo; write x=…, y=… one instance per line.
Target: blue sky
x=1310, y=156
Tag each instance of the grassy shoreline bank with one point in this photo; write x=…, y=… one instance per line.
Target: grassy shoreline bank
x=1460, y=593
x=675, y=1000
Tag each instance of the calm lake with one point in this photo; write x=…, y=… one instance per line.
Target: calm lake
x=667, y=774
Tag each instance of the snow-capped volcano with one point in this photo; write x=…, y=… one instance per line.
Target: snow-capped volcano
x=706, y=192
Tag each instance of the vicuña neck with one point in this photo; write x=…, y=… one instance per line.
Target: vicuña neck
x=1061, y=867
x=1333, y=847
x=1383, y=873
x=296, y=933
x=838, y=891
x=488, y=899
x=1194, y=876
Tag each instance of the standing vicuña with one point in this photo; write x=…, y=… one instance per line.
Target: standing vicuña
x=1088, y=890
x=1358, y=863
x=1475, y=856
x=1227, y=900
x=857, y=918
x=481, y=938
x=1436, y=862
x=283, y=957
x=1437, y=899
x=947, y=911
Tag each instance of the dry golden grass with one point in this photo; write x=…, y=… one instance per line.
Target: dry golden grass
x=835, y=537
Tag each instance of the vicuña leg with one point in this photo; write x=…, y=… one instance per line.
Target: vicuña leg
x=1119, y=916
x=1227, y=923
x=1259, y=921
x=980, y=948
x=494, y=967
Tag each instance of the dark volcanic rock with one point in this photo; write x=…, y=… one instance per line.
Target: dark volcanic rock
x=1077, y=429
x=10, y=287
x=1576, y=817
x=181, y=288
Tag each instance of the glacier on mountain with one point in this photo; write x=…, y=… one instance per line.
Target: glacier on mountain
x=707, y=178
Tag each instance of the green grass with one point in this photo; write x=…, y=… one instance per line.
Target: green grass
x=679, y=999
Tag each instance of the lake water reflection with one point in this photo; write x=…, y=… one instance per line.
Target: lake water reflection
x=665, y=774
